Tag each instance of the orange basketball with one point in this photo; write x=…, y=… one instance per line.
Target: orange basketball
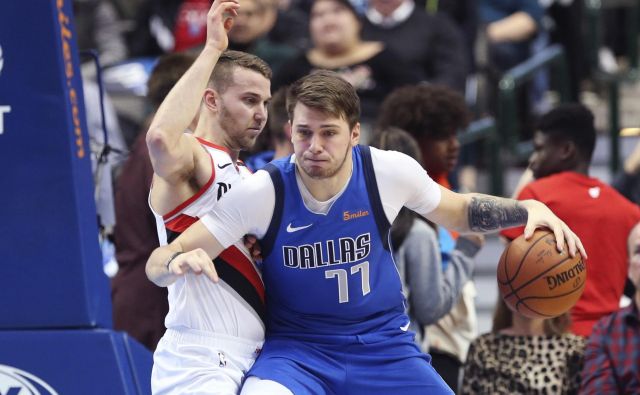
x=536, y=280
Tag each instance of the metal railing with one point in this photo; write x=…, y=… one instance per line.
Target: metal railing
x=594, y=10
x=509, y=130
x=484, y=130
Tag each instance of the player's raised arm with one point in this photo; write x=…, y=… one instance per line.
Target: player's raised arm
x=172, y=154
x=192, y=251
x=485, y=213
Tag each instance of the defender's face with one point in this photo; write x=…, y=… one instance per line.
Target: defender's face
x=243, y=108
x=322, y=143
x=546, y=157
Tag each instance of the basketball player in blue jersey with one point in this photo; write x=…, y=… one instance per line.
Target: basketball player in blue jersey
x=336, y=321
x=213, y=329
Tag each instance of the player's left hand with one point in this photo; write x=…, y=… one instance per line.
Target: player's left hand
x=539, y=215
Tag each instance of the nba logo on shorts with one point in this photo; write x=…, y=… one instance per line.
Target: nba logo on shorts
x=18, y=382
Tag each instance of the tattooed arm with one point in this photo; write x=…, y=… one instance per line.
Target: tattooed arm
x=488, y=213
x=485, y=213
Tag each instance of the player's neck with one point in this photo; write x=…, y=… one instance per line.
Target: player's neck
x=214, y=134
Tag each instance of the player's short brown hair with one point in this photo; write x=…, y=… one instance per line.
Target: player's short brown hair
x=222, y=75
x=327, y=92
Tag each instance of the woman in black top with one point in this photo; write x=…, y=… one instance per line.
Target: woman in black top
x=370, y=67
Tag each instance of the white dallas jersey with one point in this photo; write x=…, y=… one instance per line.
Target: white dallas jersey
x=235, y=305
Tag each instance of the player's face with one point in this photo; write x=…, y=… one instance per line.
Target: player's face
x=243, y=108
x=634, y=257
x=440, y=156
x=322, y=143
x=546, y=157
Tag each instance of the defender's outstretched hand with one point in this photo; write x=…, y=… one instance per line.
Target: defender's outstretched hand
x=219, y=22
x=539, y=215
x=196, y=261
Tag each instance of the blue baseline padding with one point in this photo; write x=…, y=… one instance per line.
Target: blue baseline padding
x=50, y=258
x=92, y=361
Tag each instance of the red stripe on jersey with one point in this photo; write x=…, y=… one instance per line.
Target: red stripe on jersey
x=180, y=223
x=241, y=263
x=193, y=198
x=210, y=144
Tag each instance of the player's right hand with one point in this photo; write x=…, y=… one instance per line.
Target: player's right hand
x=196, y=261
x=220, y=21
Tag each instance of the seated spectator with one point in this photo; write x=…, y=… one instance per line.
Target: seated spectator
x=612, y=354
x=433, y=115
x=168, y=25
x=430, y=289
x=563, y=147
x=628, y=181
x=99, y=27
x=369, y=66
x=256, y=18
x=524, y=356
x=510, y=27
x=432, y=44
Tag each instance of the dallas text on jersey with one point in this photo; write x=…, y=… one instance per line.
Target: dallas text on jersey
x=328, y=252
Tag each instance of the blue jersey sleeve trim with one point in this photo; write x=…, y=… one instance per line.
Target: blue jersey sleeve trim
x=269, y=238
x=374, y=196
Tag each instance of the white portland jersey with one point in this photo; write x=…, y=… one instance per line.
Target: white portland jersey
x=235, y=305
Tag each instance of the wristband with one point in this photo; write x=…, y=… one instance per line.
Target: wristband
x=175, y=254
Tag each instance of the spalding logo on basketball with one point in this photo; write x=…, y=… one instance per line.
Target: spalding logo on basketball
x=19, y=382
x=536, y=280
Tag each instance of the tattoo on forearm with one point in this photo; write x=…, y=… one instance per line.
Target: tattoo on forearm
x=489, y=213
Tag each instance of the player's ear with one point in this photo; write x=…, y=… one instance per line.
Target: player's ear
x=210, y=99
x=568, y=149
x=355, y=134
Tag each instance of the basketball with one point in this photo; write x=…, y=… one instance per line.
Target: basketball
x=536, y=280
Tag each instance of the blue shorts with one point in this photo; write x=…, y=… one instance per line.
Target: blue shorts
x=371, y=364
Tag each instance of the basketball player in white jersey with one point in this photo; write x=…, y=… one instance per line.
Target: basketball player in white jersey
x=214, y=331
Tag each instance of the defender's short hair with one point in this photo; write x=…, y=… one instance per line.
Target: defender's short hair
x=222, y=75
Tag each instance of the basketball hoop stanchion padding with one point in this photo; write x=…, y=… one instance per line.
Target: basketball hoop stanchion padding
x=53, y=289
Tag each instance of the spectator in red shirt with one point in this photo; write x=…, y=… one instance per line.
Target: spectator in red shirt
x=600, y=216
x=612, y=355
